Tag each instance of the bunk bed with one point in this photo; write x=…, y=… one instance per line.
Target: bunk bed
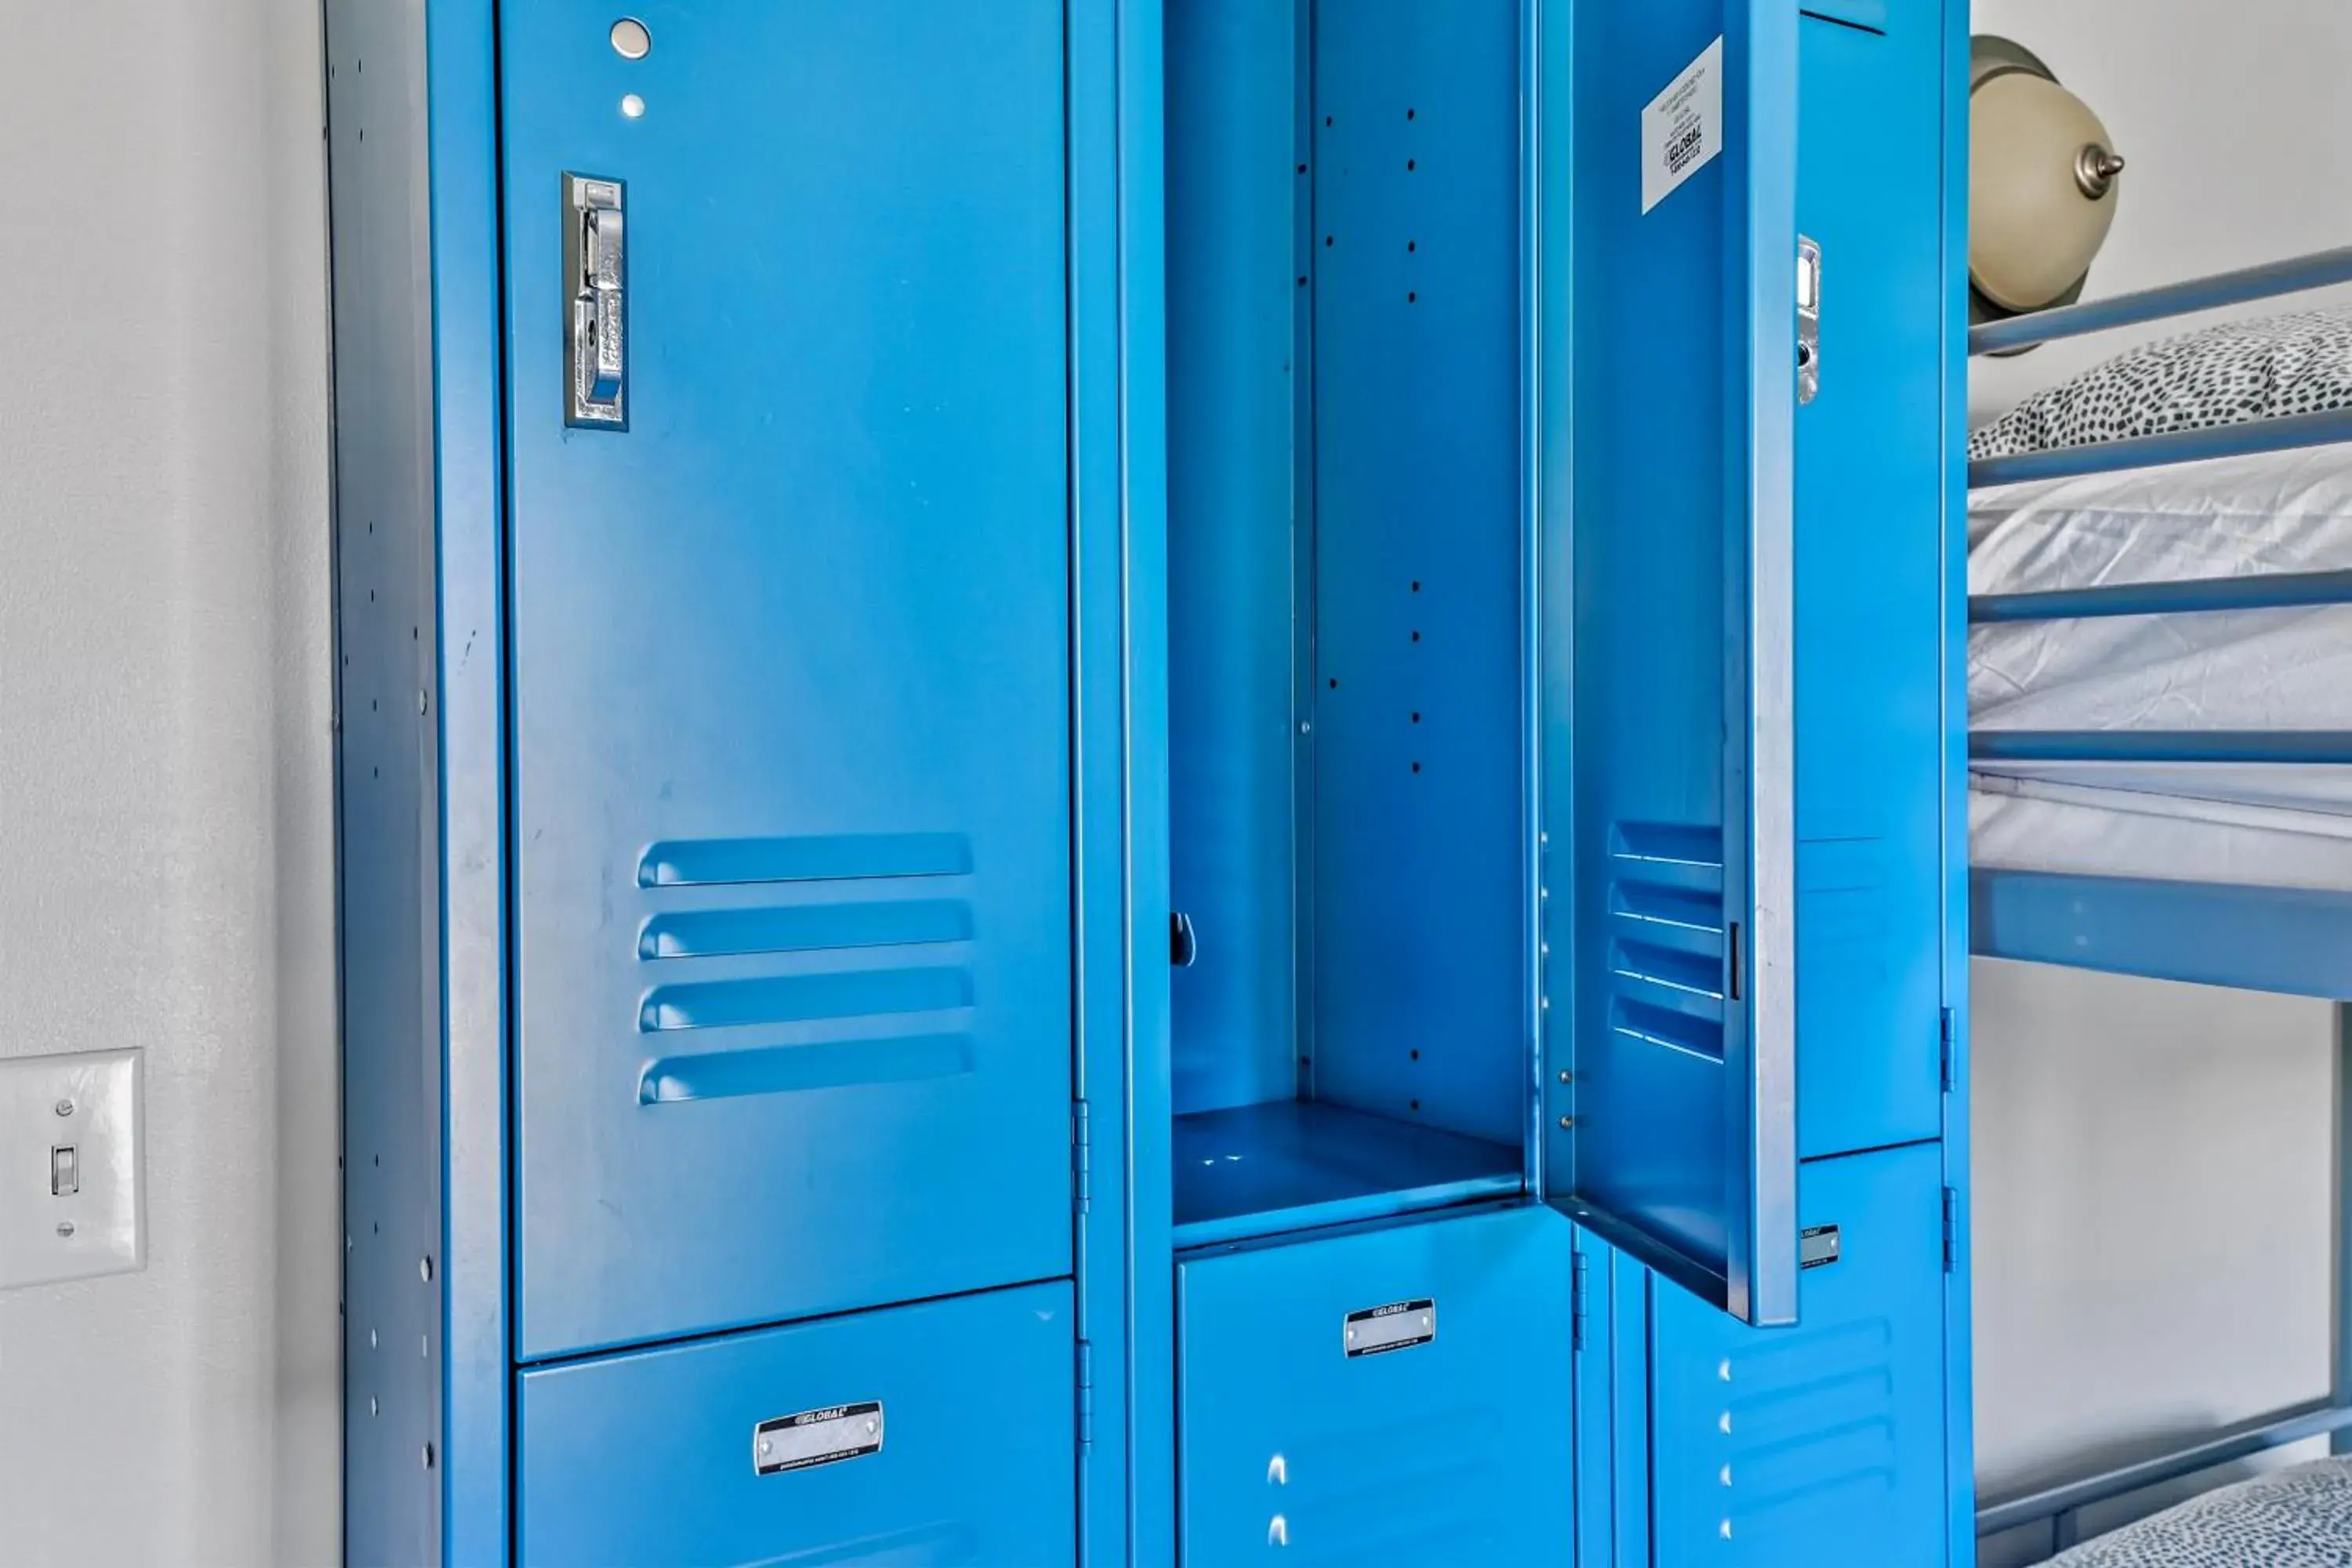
x=2160, y=760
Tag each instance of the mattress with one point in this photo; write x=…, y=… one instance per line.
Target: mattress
x=2299, y=1518
x=2253, y=670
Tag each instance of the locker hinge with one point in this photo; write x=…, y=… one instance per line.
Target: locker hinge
x=1081, y=1157
x=1086, y=1394
x=1952, y=1227
x=1945, y=1028
x=1576, y=1305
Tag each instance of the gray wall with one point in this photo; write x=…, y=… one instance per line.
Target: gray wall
x=165, y=783
x=2153, y=1228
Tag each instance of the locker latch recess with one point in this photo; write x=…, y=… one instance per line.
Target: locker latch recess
x=1809, y=320
x=1184, y=942
x=596, y=269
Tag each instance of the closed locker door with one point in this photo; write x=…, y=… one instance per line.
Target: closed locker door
x=928, y=1435
x=1396, y=1396
x=786, y=352
x=1870, y=580
x=1823, y=1444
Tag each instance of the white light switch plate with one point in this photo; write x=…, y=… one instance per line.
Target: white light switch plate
x=87, y=1103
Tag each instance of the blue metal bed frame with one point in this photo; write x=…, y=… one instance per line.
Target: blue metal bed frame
x=2296, y=941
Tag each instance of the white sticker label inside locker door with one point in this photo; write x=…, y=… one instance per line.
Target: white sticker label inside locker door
x=1398, y=1326
x=1681, y=128
x=817, y=1437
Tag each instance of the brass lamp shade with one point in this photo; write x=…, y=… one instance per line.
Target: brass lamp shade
x=2041, y=183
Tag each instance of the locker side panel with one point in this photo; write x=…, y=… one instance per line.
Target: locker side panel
x=1236, y=538
x=387, y=788
x=1821, y=1443
x=1420, y=843
x=1869, y=588
x=1299, y=1433
x=936, y=1434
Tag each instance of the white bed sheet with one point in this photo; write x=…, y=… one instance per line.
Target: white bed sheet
x=2266, y=669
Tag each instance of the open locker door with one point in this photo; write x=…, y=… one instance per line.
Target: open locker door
x=1670, y=273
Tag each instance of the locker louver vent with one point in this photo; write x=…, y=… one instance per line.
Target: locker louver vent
x=1807, y=1431
x=810, y=988
x=1666, y=936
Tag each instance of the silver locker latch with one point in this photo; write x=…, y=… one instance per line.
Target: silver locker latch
x=1809, y=320
x=596, y=269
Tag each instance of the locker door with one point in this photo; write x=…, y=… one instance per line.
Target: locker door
x=1824, y=1443
x=791, y=722
x=1669, y=877
x=1389, y=1397
x=1870, y=585
x=932, y=1434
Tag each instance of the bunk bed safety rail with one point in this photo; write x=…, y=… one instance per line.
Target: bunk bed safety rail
x=2297, y=275
x=2296, y=590
x=2284, y=433
x=2282, y=746
x=2280, y=591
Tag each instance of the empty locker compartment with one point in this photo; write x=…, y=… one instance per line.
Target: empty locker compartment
x=1391, y=1396
x=1795, y=1445
x=939, y=1433
x=1347, y=661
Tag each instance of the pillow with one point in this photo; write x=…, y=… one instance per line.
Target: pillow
x=2226, y=374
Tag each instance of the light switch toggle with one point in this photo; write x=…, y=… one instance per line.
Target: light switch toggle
x=65, y=1170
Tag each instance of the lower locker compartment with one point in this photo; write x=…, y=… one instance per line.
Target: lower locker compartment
x=1821, y=1445
x=935, y=1434
x=1393, y=1396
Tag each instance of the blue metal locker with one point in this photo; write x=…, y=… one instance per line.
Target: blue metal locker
x=1872, y=446
x=1821, y=1445
x=934, y=1433
x=1842, y=1435
x=1391, y=1396
x=737, y=501
x=907, y=864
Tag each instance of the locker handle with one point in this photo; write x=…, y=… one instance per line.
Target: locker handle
x=596, y=274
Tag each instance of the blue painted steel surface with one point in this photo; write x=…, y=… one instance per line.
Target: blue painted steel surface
x=1612, y=1405
x=1291, y=1165
x=1236, y=561
x=803, y=630
x=1125, y=1287
x=1823, y=1444
x=2340, y=1374
x=1150, y=1327
x=2291, y=940
x=1869, y=589
x=1456, y=1450
x=1418, y=943
x=2245, y=285
x=2160, y=746
x=1685, y=1098
x=2274, y=591
x=388, y=794
x=649, y=1458
x=470, y=693
x=1960, y=1434
x=2284, y=434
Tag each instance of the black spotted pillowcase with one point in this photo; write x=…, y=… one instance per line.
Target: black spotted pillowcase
x=2295, y=363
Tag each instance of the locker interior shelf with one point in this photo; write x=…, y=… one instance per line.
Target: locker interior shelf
x=1292, y=1165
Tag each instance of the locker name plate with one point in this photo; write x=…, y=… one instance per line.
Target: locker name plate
x=814, y=1437
x=1398, y=1326
x=1817, y=1246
